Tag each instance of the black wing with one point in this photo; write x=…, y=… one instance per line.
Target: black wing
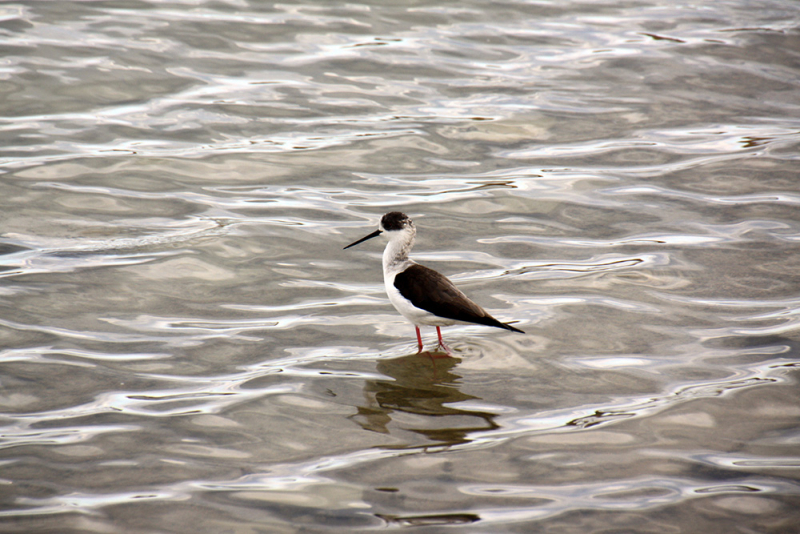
x=433, y=292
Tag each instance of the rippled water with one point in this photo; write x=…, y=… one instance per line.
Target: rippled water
x=187, y=348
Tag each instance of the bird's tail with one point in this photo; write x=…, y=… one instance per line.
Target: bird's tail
x=509, y=327
x=488, y=320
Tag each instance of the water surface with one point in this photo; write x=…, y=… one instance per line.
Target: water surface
x=187, y=348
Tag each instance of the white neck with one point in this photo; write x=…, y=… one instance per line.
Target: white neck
x=395, y=255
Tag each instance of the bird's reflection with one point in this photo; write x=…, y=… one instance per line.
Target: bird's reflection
x=424, y=384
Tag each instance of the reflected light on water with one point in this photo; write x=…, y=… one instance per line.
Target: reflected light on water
x=184, y=347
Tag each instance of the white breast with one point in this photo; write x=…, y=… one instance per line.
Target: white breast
x=395, y=261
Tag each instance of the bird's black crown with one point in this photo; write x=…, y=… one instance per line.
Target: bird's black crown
x=395, y=221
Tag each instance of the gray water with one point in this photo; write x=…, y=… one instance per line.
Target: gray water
x=187, y=348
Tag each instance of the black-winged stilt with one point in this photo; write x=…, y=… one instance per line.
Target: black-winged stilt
x=422, y=295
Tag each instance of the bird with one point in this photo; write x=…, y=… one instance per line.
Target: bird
x=421, y=295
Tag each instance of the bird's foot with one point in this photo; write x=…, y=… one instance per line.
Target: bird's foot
x=447, y=352
x=441, y=343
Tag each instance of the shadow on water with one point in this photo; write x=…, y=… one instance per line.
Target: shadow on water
x=424, y=385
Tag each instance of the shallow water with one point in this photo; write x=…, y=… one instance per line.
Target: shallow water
x=187, y=348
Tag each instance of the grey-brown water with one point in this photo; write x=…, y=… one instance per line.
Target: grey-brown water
x=187, y=348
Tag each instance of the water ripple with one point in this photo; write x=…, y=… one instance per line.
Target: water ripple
x=182, y=335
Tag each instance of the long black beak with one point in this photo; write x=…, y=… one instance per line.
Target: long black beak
x=376, y=233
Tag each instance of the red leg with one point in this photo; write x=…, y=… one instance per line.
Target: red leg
x=441, y=342
x=419, y=338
